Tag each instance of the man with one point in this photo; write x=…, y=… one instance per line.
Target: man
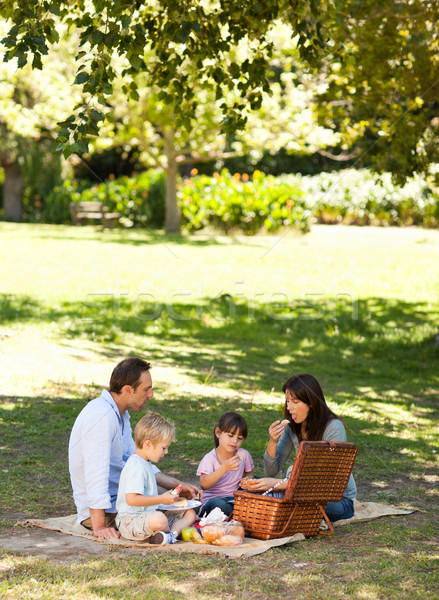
x=101, y=442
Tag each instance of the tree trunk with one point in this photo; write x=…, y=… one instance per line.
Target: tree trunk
x=172, y=222
x=12, y=192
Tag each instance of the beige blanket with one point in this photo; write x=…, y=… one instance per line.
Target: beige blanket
x=364, y=511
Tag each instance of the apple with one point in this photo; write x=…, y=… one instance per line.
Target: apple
x=188, y=534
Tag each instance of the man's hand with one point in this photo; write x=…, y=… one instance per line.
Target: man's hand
x=106, y=532
x=191, y=492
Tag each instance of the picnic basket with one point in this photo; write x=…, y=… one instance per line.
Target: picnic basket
x=320, y=475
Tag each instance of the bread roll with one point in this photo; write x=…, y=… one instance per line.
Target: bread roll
x=180, y=502
x=285, y=422
x=235, y=529
x=228, y=540
x=212, y=532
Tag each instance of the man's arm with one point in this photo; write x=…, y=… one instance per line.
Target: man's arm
x=100, y=529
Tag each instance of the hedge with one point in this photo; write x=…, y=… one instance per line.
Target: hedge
x=237, y=202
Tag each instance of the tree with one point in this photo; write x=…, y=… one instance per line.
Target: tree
x=179, y=35
x=382, y=90
x=28, y=103
x=284, y=120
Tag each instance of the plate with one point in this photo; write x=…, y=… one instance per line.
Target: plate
x=190, y=504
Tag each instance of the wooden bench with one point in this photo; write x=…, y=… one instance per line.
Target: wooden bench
x=82, y=212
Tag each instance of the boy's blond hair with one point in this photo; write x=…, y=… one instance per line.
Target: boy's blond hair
x=153, y=427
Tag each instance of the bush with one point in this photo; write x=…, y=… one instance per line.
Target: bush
x=140, y=199
x=237, y=202
x=359, y=197
x=42, y=170
x=229, y=202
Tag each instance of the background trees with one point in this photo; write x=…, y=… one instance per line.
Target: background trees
x=381, y=71
x=374, y=63
x=28, y=102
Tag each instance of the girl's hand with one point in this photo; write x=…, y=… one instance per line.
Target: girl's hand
x=232, y=464
x=167, y=498
x=275, y=430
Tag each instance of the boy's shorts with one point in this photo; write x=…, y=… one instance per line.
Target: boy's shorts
x=137, y=527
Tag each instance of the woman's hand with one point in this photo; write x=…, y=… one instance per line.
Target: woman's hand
x=275, y=430
x=261, y=485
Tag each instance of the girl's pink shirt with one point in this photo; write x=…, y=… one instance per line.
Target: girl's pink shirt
x=229, y=482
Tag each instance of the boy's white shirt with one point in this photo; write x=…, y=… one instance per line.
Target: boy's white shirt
x=138, y=477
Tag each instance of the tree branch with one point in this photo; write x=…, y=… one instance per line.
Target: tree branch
x=342, y=157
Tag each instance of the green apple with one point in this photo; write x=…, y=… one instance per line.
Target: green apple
x=190, y=533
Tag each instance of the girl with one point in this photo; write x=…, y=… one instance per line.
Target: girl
x=223, y=468
x=309, y=418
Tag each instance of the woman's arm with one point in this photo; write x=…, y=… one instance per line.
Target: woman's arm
x=264, y=484
x=284, y=447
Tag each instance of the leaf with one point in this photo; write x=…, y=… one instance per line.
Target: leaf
x=36, y=62
x=81, y=78
x=97, y=36
x=96, y=115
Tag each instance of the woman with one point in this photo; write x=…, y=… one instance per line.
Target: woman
x=311, y=419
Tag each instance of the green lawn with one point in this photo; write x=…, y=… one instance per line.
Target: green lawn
x=224, y=322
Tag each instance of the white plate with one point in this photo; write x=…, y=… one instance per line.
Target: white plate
x=190, y=504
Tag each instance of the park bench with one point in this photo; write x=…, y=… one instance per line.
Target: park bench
x=83, y=212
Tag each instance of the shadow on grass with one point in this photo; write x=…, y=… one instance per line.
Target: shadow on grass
x=141, y=237
x=373, y=344
x=35, y=434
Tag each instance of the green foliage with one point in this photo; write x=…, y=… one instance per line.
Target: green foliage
x=362, y=198
x=228, y=202
x=381, y=74
x=2, y=177
x=205, y=35
x=54, y=208
x=41, y=169
x=139, y=199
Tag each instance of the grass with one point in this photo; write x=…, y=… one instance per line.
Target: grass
x=225, y=321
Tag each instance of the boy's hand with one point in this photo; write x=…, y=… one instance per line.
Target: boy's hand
x=232, y=464
x=167, y=498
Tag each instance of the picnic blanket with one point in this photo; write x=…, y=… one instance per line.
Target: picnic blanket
x=364, y=511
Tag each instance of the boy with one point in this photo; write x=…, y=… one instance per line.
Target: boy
x=137, y=498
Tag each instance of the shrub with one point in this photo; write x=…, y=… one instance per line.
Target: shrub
x=139, y=199
x=229, y=202
x=362, y=198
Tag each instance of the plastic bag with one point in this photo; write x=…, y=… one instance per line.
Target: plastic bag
x=225, y=533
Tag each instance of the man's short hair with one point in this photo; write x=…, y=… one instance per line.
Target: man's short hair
x=128, y=372
x=153, y=427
